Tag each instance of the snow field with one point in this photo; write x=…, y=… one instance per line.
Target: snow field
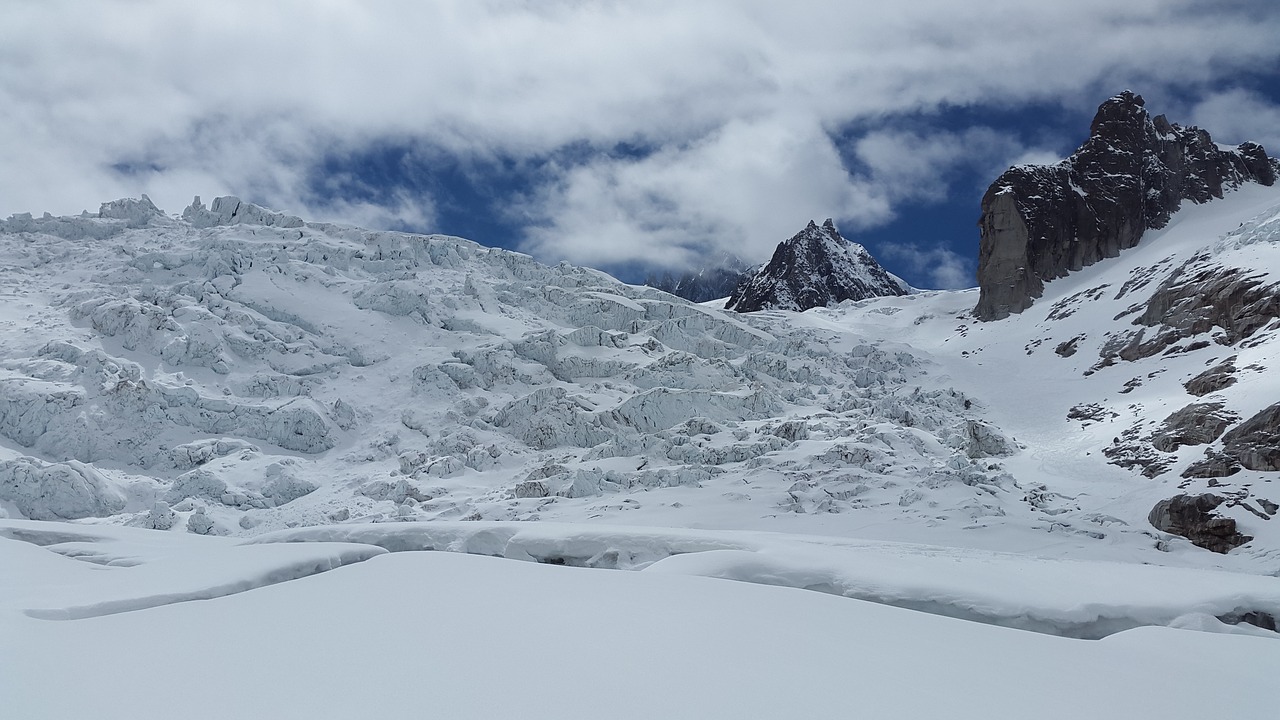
x=468, y=636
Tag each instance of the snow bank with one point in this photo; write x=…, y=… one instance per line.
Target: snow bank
x=449, y=626
x=1056, y=597
x=139, y=569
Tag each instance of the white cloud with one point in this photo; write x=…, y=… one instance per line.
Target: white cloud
x=917, y=165
x=245, y=97
x=946, y=269
x=397, y=210
x=740, y=190
x=744, y=188
x=1236, y=116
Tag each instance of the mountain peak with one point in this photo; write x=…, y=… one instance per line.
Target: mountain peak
x=814, y=268
x=1040, y=222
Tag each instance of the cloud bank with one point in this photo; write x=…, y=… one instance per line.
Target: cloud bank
x=744, y=118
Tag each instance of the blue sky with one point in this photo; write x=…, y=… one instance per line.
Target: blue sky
x=622, y=135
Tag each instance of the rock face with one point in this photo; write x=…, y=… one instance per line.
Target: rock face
x=816, y=268
x=1256, y=441
x=1218, y=377
x=1192, y=517
x=1200, y=297
x=705, y=284
x=1196, y=424
x=1252, y=445
x=1040, y=222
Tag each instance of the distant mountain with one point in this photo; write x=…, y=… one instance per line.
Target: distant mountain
x=708, y=283
x=1040, y=222
x=815, y=268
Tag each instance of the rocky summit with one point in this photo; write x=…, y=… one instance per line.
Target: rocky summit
x=815, y=268
x=1040, y=222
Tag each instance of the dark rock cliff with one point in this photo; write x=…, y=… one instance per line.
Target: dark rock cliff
x=1193, y=517
x=816, y=268
x=1040, y=222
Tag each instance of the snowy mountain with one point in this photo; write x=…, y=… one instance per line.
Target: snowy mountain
x=1200, y=300
x=270, y=415
x=236, y=371
x=713, y=282
x=1040, y=222
x=815, y=268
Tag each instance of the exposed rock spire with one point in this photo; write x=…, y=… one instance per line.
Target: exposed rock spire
x=815, y=268
x=1040, y=222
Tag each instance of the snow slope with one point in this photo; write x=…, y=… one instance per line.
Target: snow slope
x=214, y=426
x=1081, y=403
x=461, y=635
x=256, y=372
x=236, y=371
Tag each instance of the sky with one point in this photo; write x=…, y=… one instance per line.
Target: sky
x=628, y=136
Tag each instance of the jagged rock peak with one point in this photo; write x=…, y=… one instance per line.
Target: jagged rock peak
x=1040, y=222
x=815, y=268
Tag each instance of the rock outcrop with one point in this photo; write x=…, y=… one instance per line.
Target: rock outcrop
x=1193, y=517
x=1199, y=297
x=1218, y=377
x=1256, y=441
x=816, y=268
x=1195, y=424
x=1252, y=445
x=1040, y=222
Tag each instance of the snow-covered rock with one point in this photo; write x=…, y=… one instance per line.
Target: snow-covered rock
x=815, y=268
x=1042, y=222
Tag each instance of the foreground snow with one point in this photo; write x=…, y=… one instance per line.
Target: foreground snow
x=446, y=634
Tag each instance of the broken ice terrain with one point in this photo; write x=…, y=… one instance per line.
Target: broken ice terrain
x=233, y=415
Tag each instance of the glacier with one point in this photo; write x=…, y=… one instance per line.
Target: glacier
x=250, y=461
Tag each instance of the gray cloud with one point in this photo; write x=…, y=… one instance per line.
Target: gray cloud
x=739, y=98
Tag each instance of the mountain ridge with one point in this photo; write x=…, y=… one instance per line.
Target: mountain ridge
x=1040, y=222
x=816, y=267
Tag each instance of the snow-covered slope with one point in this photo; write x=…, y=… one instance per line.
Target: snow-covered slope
x=272, y=405
x=335, y=630
x=237, y=371
x=1128, y=381
x=253, y=372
